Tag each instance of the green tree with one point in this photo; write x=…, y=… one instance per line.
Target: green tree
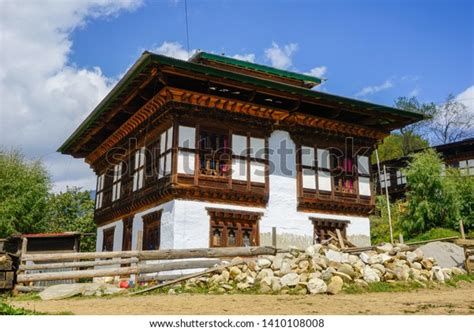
x=379, y=224
x=73, y=210
x=24, y=187
x=413, y=134
x=393, y=146
x=464, y=187
x=432, y=201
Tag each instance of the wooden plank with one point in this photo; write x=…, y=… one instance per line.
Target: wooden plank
x=340, y=239
x=171, y=254
x=464, y=242
x=160, y=278
x=274, y=236
x=180, y=279
x=64, y=275
x=83, y=264
x=165, y=254
x=431, y=240
x=79, y=256
x=177, y=265
x=461, y=229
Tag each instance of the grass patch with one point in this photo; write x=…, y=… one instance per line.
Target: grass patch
x=383, y=287
x=453, y=281
x=6, y=309
x=27, y=297
x=435, y=233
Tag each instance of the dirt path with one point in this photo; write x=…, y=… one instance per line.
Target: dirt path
x=430, y=301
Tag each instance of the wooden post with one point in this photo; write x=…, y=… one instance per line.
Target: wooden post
x=274, y=236
x=461, y=229
x=400, y=239
x=139, y=249
x=24, y=246
x=388, y=204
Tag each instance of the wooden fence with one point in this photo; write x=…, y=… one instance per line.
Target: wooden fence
x=145, y=265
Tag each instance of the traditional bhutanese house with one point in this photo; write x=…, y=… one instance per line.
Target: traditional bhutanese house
x=215, y=151
x=458, y=154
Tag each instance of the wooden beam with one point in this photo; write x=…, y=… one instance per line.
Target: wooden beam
x=83, y=264
x=65, y=275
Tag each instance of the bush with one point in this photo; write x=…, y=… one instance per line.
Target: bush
x=379, y=225
x=432, y=199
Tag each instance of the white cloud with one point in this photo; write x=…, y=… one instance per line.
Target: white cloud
x=245, y=57
x=317, y=71
x=173, y=49
x=281, y=57
x=368, y=90
x=42, y=97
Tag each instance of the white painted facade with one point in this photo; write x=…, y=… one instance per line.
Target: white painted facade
x=186, y=224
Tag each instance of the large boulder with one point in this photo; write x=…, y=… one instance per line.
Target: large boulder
x=316, y=285
x=336, y=256
x=291, y=279
x=335, y=285
x=446, y=254
x=370, y=275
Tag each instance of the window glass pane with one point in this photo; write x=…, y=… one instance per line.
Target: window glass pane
x=217, y=237
x=187, y=137
x=307, y=156
x=257, y=146
x=140, y=178
x=135, y=181
x=363, y=164
x=162, y=142
x=161, y=169
x=239, y=169
x=239, y=145
x=324, y=181
x=323, y=158
x=257, y=172
x=309, y=179
x=169, y=142
x=231, y=237
x=186, y=163
x=168, y=164
x=364, y=186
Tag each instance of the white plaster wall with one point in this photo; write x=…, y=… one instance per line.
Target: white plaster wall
x=166, y=226
x=118, y=234
x=191, y=222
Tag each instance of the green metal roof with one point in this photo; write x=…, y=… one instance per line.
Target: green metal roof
x=147, y=57
x=256, y=67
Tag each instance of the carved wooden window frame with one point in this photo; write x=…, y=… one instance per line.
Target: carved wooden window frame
x=151, y=222
x=100, y=191
x=117, y=181
x=108, y=236
x=239, y=222
x=138, y=174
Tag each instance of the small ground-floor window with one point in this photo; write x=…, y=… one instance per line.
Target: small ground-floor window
x=233, y=228
x=127, y=233
x=151, y=231
x=108, y=239
x=324, y=227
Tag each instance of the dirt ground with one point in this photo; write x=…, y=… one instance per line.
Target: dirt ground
x=444, y=300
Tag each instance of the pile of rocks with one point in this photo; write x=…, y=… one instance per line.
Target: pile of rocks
x=325, y=269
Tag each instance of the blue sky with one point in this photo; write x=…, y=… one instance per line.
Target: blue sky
x=59, y=58
x=422, y=48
